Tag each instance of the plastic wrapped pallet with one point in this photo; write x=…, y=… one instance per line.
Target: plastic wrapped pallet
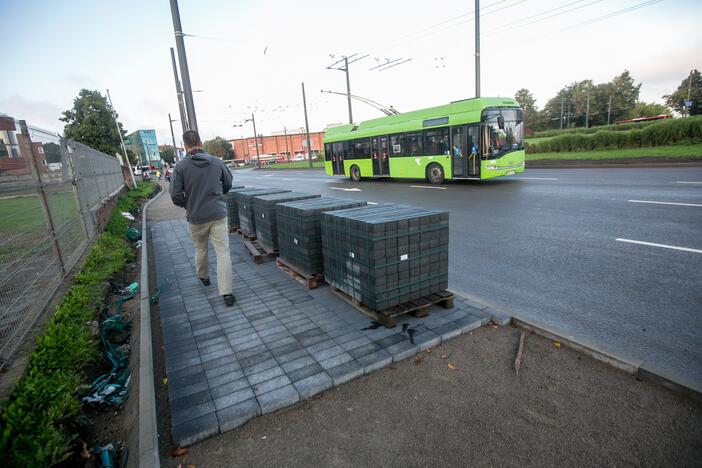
x=385, y=255
x=232, y=212
x=247, y=222
x=264, y=212
x=299, y=231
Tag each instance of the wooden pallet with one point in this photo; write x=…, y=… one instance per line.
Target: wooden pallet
x=257, y=251
x=418, y=307
x=308, y=281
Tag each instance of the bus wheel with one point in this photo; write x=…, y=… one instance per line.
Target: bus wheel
x=435, y=174
x=355, y=173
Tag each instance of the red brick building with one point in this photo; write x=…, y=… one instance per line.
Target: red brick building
x=278, y=146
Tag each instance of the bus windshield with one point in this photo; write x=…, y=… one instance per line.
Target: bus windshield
x=503, y=131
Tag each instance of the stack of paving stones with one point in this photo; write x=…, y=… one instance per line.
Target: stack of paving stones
x=279, y=344
x=232, y=212
x=264, y=212
x=247, y=221
x=300, y=232
x=387, y=254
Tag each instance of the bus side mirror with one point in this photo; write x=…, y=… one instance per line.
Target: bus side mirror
x=501, y=122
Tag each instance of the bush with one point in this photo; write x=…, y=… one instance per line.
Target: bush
x=661, y=133
x=42, y=417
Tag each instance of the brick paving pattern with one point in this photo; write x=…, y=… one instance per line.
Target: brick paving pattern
x=279, y=344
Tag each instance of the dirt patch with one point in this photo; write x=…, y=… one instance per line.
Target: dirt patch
x=462, y=405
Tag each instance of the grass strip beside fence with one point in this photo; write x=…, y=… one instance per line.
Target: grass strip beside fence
x=670, y=151
x=41, y=419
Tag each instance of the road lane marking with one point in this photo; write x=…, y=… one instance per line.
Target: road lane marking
x=428, y=186
x=537, y=178
x=347, y=189
x=651, y=244
x=664, y=203
x=687, y=182
x=372, y=203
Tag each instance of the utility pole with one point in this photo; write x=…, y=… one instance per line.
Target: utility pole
x=258, y=156
x=568, y=116
x=175, y=148
x=689, y=86
x=179, y=91
x=121, y=140
x=287, y=151
x=307, y=126
x=348, y=87
x=184, y=73
x=587, y=111
x=562, y=99
x=609, y=108
x=477, y=48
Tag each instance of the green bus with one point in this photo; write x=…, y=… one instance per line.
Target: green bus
x=478, y=138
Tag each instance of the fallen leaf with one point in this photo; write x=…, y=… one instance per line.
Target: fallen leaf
x=264, y=437
x=418, y=360
x=451, y=366
x=557, y=344
x=428, y=350
x=444, y=356
x=190, y=465
x=165, y=380
x=179, y=452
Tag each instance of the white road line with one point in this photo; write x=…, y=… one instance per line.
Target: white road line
x=651, y=244
x=428, y=186
x=347, y=189
x=687, y=182
x=664, y=203
x=536, y=178
x=372, y=203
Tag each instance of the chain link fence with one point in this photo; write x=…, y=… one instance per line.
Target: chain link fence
x=50, y=193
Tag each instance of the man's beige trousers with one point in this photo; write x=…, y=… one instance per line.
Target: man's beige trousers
x=219, y=234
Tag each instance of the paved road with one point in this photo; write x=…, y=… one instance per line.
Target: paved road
x=546, y=244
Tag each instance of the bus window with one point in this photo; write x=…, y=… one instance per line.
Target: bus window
x=361, y=148
x=414, y=144
x=436, y=141
x=397, y=144
x=504, y=128
x=327, y=151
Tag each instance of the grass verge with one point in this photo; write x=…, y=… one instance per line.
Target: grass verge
x=41, y=419
x=297, y=165
x=672, y=151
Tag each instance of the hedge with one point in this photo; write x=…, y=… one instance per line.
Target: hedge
x=662, y=133
x=615, y=128
x=41, y=419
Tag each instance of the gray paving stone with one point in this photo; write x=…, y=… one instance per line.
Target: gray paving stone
x=345, y=372
x=352, y=340
x=176, y=391
x=181, y=379
x=335, y=361
x=182, y=364
x=499, y=317
x=285, y=348
x=313, y=385
x=220, y=353
x=256, y=359
x=229, y=367
x=225, y=378
x=303, y=372
x=363, y=350
x=327, y=353
x=254, y=343
x=291, y=356
x=195, y=430
x=241, y=355
x=233, y=398
x=264, y=375
x=448, y=330
x=229, y=387
x=277, y=399
x=191, y=412
x=305, y=360
x=260, y=367
x=218, y=362
x=374, y=361
x=236, y=415
x=270, y=385
x=427, y=339
x=403, y=350
x=328, y=343
x=391, y=340
x=468, y=323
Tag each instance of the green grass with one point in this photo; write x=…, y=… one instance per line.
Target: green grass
x=297, y=165
x=673, y=151
x=535, y=140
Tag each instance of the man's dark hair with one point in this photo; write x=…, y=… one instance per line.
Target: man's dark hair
x=191, y=138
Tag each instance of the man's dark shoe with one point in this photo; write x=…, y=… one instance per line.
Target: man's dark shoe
x=205, y=281
x=229, y=299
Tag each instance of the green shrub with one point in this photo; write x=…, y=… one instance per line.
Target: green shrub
x=660, y=133
x=40, y=421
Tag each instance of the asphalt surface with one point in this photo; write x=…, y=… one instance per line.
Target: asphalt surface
x=544, y=244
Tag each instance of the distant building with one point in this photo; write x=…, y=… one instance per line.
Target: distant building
x=280, y=146
x=15, y=156
x=143, y=143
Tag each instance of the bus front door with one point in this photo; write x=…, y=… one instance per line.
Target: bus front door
x=337, y=159
x=379, y=151
x=473, y=147
x=465, y=156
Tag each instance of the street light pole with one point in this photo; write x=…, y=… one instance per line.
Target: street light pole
x=184, y=73
x=689, y=86
x=179, y=91
x=587, y=111
x=348, y=87
x=477, y=48
x=562, y=98
x=287, y=151
x=307, y=126
x=121, y=140
x=258, y=156
x=609, y=108
x=175, y=148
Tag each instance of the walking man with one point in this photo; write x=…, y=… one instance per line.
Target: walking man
x=199, y=183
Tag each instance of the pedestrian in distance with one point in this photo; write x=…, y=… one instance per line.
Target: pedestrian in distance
x=199, y=182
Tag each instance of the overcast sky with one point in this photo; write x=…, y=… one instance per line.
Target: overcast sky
x=53, y=49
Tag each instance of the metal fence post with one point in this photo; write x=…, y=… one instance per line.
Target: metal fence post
x=42, y=193
x=68, y=154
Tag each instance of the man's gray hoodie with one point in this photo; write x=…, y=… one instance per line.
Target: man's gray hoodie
x=199, y=183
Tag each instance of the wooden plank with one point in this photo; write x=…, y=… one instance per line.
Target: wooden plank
x=309, y=281
x=253, y=251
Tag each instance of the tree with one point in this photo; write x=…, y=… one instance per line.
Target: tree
x=528, y=104
x=90, y=122
x=52, y=152
x=648, y=109
x=219, y=147
x=677, y=99
x=168, y=154
x=133, y=160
